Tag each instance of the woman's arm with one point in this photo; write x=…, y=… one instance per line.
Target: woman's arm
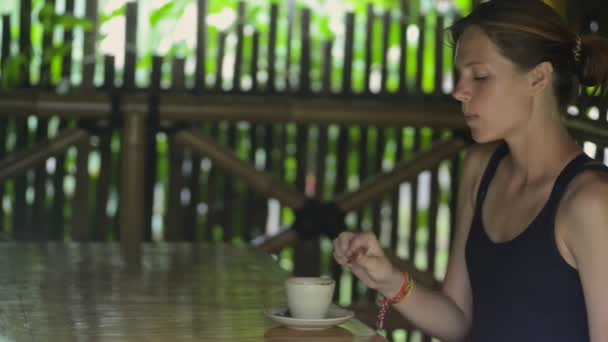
x=444, y=314
x=447, y=314
x=585, y=218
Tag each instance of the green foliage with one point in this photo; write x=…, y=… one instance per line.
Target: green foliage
x=326, y=25
x=430, y=58
x=170, y=11
x=50, y=20
x=465, y=6
x=14, y=70
x=361, y=6
x=163, y=21
x=119, y=12
x=56, y=51
x=218, y=234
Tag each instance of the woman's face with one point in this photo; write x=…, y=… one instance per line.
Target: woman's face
x=494, y=93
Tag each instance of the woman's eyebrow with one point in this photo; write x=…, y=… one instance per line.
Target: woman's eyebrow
x=468, y=65
x=471, y=63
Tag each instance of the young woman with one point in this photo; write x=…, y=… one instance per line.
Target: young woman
x=530, y=252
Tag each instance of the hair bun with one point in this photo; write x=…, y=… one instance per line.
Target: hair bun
x=593, y=64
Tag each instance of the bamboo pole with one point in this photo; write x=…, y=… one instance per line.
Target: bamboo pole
x=201, y=45
x=130, y=41
x=412, y=227
x=81, y=227
x=272, y=50
x=132, y=220
x=256, y=109
x=274, y=109
x=85, y=105
x=395, y=196
x=90, y=44
x=369, y=45
x=39, y=153
x=225, y=159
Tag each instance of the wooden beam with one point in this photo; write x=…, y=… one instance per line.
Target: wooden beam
x=39, y=153
x=420, y=112
x=342, y=111
x=225, y=159
x=86, y=105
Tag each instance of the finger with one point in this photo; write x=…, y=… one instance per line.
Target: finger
x=379, y=269
x=340, y=246
x=352, y=257
x=370, y=262
x=340, y=258
x=342, y=243
x=363, y=244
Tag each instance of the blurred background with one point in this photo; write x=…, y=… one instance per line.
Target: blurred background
x=390, y=57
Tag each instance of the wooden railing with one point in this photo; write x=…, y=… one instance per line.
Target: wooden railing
x=97, y=107
x=174, y=109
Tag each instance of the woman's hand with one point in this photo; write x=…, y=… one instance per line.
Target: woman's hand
x=364, y=255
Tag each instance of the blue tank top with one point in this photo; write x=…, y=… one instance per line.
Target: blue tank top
x=523, y=290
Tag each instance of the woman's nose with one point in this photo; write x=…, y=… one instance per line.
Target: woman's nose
x=461, y=93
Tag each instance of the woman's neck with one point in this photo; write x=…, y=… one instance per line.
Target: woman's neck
x=541, y=149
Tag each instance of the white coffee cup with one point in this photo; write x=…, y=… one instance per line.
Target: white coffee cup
x=309, y=297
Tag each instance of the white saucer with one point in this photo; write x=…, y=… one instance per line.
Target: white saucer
x=335, y=316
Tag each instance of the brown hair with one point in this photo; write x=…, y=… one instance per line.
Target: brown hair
x=529, y=32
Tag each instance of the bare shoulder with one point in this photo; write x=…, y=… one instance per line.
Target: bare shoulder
x=586, y=236
x=587, y=193
x=584, y=208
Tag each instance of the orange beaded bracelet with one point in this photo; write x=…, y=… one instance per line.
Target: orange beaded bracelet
x=404, y=291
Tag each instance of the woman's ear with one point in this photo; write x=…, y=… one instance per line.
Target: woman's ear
x=541, y=77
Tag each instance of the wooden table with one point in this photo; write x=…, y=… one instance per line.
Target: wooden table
x=180, y=292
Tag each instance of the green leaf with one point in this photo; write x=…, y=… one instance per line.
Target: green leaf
x=47, y=17
x=179, y=49
x=36, y=35
x=464, y=6
x=86, y=24
x=145, y=62
x=56, y=51
x=70, y=22
x=218, y=6
x=46, y=12
x=164, y=12
x=119, y=12
x=37, y=3
x=13, y=71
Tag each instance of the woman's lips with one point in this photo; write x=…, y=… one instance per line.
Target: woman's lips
x=470, y=117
